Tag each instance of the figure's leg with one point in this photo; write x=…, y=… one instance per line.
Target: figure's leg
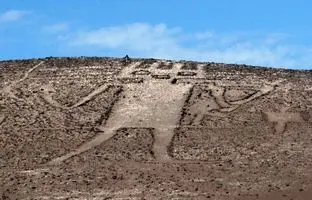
x=99, y=139
x=163, y=137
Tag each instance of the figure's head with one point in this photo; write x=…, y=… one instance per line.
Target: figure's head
x=164, y=70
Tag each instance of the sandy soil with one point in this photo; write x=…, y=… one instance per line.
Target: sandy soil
x=106, y=128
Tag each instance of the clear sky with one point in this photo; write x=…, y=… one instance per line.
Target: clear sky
x=260, y=32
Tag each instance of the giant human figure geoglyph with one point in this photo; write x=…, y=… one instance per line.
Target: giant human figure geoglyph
x=153, y=103
x=156, y=103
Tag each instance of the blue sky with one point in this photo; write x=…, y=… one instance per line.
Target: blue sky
x=268, y=33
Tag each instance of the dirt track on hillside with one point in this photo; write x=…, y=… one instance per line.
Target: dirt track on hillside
x=99, y=128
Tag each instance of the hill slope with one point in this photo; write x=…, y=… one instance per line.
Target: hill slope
x=113, y=128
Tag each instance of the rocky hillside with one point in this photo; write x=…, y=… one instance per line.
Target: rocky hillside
x=123, y=128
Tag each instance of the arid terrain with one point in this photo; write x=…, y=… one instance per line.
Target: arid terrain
x=109, y=128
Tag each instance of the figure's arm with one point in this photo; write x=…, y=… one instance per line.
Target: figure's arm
x=48, y=91
x=263, y=91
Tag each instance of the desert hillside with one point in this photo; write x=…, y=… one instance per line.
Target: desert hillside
x=123, y=128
